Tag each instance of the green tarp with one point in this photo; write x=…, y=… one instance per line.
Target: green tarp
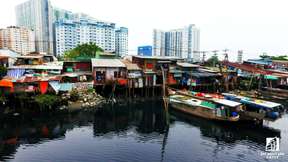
x=270, y=77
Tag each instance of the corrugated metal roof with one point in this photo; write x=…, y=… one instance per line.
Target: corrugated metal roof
x=8, y=53
x=203, y=74
x=130, y=65
x=107, y=63
x=187, y=65
x=46, y=66
x=159, y=57
x=31, y=56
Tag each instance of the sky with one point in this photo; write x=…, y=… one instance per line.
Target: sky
x=254, y=26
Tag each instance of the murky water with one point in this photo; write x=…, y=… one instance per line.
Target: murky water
x=134, y=132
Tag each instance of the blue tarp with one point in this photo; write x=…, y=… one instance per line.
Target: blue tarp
x=15, y=73
x=55, y=85
x=66, y=86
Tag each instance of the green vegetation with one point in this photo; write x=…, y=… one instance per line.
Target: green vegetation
x=279, y=58
x=91, y=90
x=3, y=71
x=47, y=101
x=87, y=50
x=2, y=99
x=212, y=61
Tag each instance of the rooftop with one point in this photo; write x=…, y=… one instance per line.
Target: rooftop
x=47, y=66
x=130, y=65
x=187, y=65
x=8, y=53
x=107, y=63
x=228, y=102
x=30, y=56
x=159, y=57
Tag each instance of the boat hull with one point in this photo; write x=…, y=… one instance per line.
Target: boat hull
x=201, y=112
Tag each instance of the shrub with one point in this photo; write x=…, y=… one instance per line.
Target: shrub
x=47, y=101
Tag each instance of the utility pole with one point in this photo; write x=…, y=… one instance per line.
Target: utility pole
x=215, y=57
x=204, y=56
x=226, y=55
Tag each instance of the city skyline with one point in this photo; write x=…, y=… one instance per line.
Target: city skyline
x=37, y=15
x=182, y=42
x=223, y=24
x=72, y=29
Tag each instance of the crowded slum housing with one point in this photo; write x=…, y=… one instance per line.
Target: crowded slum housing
x=108, y=72
x=152, y=68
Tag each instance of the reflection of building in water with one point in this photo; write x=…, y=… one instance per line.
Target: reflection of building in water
x=146, y=119
x=26, y=131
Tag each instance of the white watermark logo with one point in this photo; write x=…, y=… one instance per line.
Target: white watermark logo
x=272, y=144
x=272, y=149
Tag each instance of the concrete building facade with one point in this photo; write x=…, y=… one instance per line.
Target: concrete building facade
x=121, y=41
x=18, y=39
x=37, y=16
x=72, y=29
x=183, y=43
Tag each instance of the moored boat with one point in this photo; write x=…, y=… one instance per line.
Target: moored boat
x=219, y=110
x=270, y=110
x=246, y=116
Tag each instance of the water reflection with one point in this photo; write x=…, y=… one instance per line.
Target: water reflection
x=229, y=133
x=148, y=122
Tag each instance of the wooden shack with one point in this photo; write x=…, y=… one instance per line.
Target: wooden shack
x=152, y=68
x=108, y=71
x=77, y=71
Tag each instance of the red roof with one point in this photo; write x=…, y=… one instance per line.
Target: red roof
x=248, y=68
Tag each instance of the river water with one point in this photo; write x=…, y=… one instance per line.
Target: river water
x=137, y=132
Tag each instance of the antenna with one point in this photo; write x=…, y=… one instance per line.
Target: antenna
x=226, y=55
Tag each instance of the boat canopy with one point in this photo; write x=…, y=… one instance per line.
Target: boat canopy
x=227, y=102
x=261, y=103
x=257, y=103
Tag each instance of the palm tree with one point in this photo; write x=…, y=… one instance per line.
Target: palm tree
x=84, y=50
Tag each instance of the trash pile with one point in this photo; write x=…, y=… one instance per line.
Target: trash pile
x=83, y=98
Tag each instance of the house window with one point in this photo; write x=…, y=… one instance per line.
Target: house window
x=115, y=74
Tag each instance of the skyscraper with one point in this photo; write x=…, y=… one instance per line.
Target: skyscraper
x=18, y=39
x=70, y=33
x=37, y=15
x=121, y=43
x=158, y=43
x=184, y=43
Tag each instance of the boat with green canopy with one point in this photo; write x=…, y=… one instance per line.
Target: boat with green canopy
x=220, y=109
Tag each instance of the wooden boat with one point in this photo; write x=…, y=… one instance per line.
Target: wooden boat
x=219, y=110
x=270, y=110
x=246, y=116
x=279, y=93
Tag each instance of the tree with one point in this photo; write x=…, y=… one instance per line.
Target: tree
x=264, y=55
x=3, y=71
x=212, y=61
x=281, y=58
x=84, y=50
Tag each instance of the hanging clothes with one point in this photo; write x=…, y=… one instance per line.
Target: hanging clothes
x=43, y=87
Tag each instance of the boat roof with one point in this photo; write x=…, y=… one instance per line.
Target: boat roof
x=263, y=103
x=227, y=102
